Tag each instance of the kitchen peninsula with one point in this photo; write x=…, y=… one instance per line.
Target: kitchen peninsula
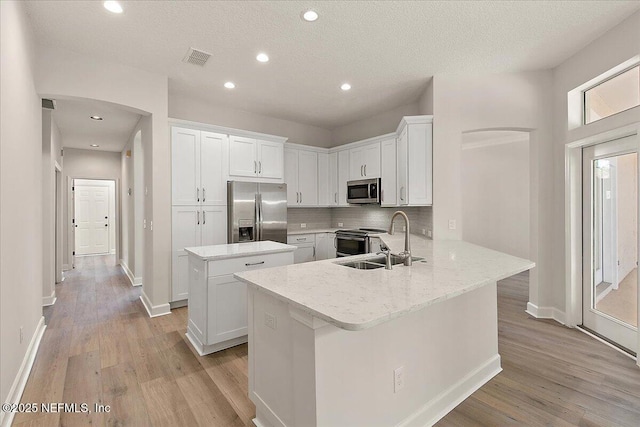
x=331, y=345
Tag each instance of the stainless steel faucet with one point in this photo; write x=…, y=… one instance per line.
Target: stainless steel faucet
x=406, y=255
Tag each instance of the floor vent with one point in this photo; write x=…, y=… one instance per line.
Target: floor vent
x=196, y=57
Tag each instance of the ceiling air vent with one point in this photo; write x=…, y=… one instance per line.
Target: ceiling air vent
x=196, y=57
x=49, y=104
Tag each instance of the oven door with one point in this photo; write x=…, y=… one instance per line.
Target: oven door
x=351, y=245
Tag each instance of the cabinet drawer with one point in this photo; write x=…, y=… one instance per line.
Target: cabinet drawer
x=255, y=262
x=301, y=238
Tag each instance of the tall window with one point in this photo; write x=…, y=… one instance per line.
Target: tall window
x=612, y=96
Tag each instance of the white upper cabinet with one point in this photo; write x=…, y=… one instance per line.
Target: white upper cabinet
x=415, y=161
x=249, y=157
x=301, y=177
x=270, y=159
x=364, y=161
x=198, y=167
x=343, y=177
x=325, y=195
x=388, y=173
x=333, y=179
x=185, y=164
x=213, y=181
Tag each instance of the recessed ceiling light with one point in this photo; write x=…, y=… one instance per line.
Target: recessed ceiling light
x=95, y=145
x=262, y=57
x=310, y=15
x=96, y=118
x=345, y=86
x=229, y=85
x=113, y=6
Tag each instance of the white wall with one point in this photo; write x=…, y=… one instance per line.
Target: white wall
x=379, y=124
x=20, y=195
x=513, y=101
x=495, y=194
x=614, y=47
x=51, y=145
x=197, y=110
x=62, y=73
x=86, y=164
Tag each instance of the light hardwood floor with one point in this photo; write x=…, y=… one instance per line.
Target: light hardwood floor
x=101, y=347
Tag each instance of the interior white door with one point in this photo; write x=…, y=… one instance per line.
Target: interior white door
x=91, y=217
x=610, y=241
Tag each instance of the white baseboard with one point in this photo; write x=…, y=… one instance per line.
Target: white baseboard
x=50, y=300
x=135, y=281
x=434, y=410
x=17, y=388
x=154, y=310
x=546, y=313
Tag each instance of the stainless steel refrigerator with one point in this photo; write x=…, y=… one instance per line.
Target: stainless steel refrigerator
x=256, y=211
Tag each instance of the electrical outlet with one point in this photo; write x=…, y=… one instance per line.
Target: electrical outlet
x=21, y=334
x=429, y=234
x=270, y=320
x=150, y=225
x=144, y=223
x=340, y=224
x=452, y=224
x=398, y=379
x=424, y=231
x=303, y=225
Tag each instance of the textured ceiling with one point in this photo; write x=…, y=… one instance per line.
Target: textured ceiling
x=386, y=50
x=79, y=131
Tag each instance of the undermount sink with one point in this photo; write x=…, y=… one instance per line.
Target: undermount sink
x=377, y=262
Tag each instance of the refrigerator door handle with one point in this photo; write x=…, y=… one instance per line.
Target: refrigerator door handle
x=257, y=201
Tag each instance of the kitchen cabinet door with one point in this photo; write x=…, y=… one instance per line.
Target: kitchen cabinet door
x=291, y=176
x=270, y=159
x=213, y=181
x=227, y=299
x=308, y=178
x=388, y=173
x=333, y=179
x=325, y=196
x=322, y=246
x=243, y=154
x=213, y=225
x=356, y=163
x=371, y=157
x=306, y=252
x=420, y=164
x=185, y=165
x=185, y=232
x=343, y=177
x=402, y=168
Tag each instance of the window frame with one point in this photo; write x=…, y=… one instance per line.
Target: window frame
x=583, y=94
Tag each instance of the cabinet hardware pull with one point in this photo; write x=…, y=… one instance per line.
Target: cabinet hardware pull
x=203, y=195
x=297, y=197
x=260, y=167
x=198, y=213
x=301, y=197
x=361, y=174
x=382, y=195
x=249, y=264
x=365, y=170
x=314, y=251
x=204, y=218
x=198, y=193
x=255, y=167
x=401, y=193
x=335, y=197
x=301, y=239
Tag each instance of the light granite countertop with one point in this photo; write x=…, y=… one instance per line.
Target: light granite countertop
x=237, y=250
x=354, y=299
x=311, y=231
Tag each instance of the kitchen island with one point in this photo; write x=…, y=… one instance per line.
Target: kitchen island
x=217, y=300
x=331, y=345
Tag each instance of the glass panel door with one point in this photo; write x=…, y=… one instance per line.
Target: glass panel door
x=610, y=241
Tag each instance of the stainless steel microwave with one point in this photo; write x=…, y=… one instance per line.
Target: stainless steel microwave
x=363, y=191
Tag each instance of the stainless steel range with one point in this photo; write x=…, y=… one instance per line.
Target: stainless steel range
x=357, y=241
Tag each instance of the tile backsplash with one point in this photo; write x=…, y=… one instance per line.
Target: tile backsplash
x=359, y=216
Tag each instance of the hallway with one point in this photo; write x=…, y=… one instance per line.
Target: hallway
x=100, y=346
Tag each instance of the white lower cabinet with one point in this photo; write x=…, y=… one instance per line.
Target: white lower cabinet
x=306, y=247
x=325, y=246
x=218, y=301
